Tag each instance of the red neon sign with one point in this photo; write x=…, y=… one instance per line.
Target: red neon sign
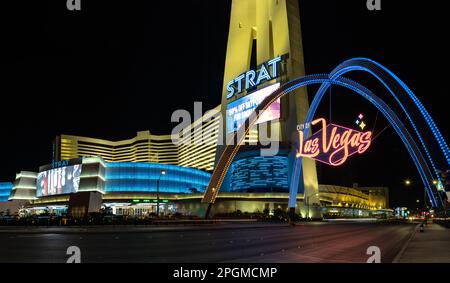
x=333, y=144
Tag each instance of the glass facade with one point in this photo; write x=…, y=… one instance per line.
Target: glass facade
x=5, y=191
x=260, y=174
x=142, y=177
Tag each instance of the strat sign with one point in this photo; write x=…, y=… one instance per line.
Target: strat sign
x=267, y=71
x=333, y=144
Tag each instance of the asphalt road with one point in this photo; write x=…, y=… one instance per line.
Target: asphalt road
x=324, y=242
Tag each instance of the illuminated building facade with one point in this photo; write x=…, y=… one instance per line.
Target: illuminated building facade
x=5, y=191
x=146, y=147
x=82, y=185
x=24, y=187
x=135, y=188
x=126, y=177
x=378, y=196
x=250, y=172
x=260, y=173
x=21, y=193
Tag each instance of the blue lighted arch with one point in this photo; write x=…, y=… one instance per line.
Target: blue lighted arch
x=414, y=151
x=390, y=81
x=403, y=96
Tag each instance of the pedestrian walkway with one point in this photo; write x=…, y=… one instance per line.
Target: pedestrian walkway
x=430, y=246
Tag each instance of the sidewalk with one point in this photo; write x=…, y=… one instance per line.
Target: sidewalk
x=431, y=246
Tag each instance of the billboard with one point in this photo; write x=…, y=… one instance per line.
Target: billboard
x=57, y=181
x=239, y=110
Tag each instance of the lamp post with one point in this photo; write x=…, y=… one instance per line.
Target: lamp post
x=162, y=172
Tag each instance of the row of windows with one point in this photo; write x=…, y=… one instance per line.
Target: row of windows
x=168, y=153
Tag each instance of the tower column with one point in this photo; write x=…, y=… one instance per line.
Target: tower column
x=275, y=26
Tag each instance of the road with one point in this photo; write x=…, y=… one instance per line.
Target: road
x=244, y=243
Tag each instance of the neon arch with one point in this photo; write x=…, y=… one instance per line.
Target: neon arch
x=383, y=75
x=326, y=80
x=403, y=95
x=414, y=151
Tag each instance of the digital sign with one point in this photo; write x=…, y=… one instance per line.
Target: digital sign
x=57, y=181
x=333, y=144
x=239, y=110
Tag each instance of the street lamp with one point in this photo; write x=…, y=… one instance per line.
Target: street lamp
x=407, y=182
x=162, y=172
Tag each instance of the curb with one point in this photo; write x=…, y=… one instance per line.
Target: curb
x=405, y=245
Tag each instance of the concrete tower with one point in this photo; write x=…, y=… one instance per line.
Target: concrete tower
x=271, y=28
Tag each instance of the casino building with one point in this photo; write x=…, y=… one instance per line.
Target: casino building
x=256, y=184
x=146, y=147
x=137, y=175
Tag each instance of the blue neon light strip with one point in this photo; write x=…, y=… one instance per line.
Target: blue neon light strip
x=403, y=108
x=429, y=121
x=142, y=177
x=363, y=91
x=5, y=191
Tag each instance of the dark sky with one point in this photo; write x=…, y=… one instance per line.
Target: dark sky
x=118, y=67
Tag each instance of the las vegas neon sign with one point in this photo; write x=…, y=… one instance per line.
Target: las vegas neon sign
x=333, y=144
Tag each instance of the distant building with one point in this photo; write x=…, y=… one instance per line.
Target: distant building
x=7, y=206
x=378, y=196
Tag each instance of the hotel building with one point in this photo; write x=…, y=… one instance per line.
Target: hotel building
x=146, y=147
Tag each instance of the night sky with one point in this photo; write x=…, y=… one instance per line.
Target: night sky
x=118, y=67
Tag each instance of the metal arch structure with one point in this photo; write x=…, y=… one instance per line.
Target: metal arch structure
x=233, y=144
x=407, y=139
x=403, y=96
x=407, y=100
